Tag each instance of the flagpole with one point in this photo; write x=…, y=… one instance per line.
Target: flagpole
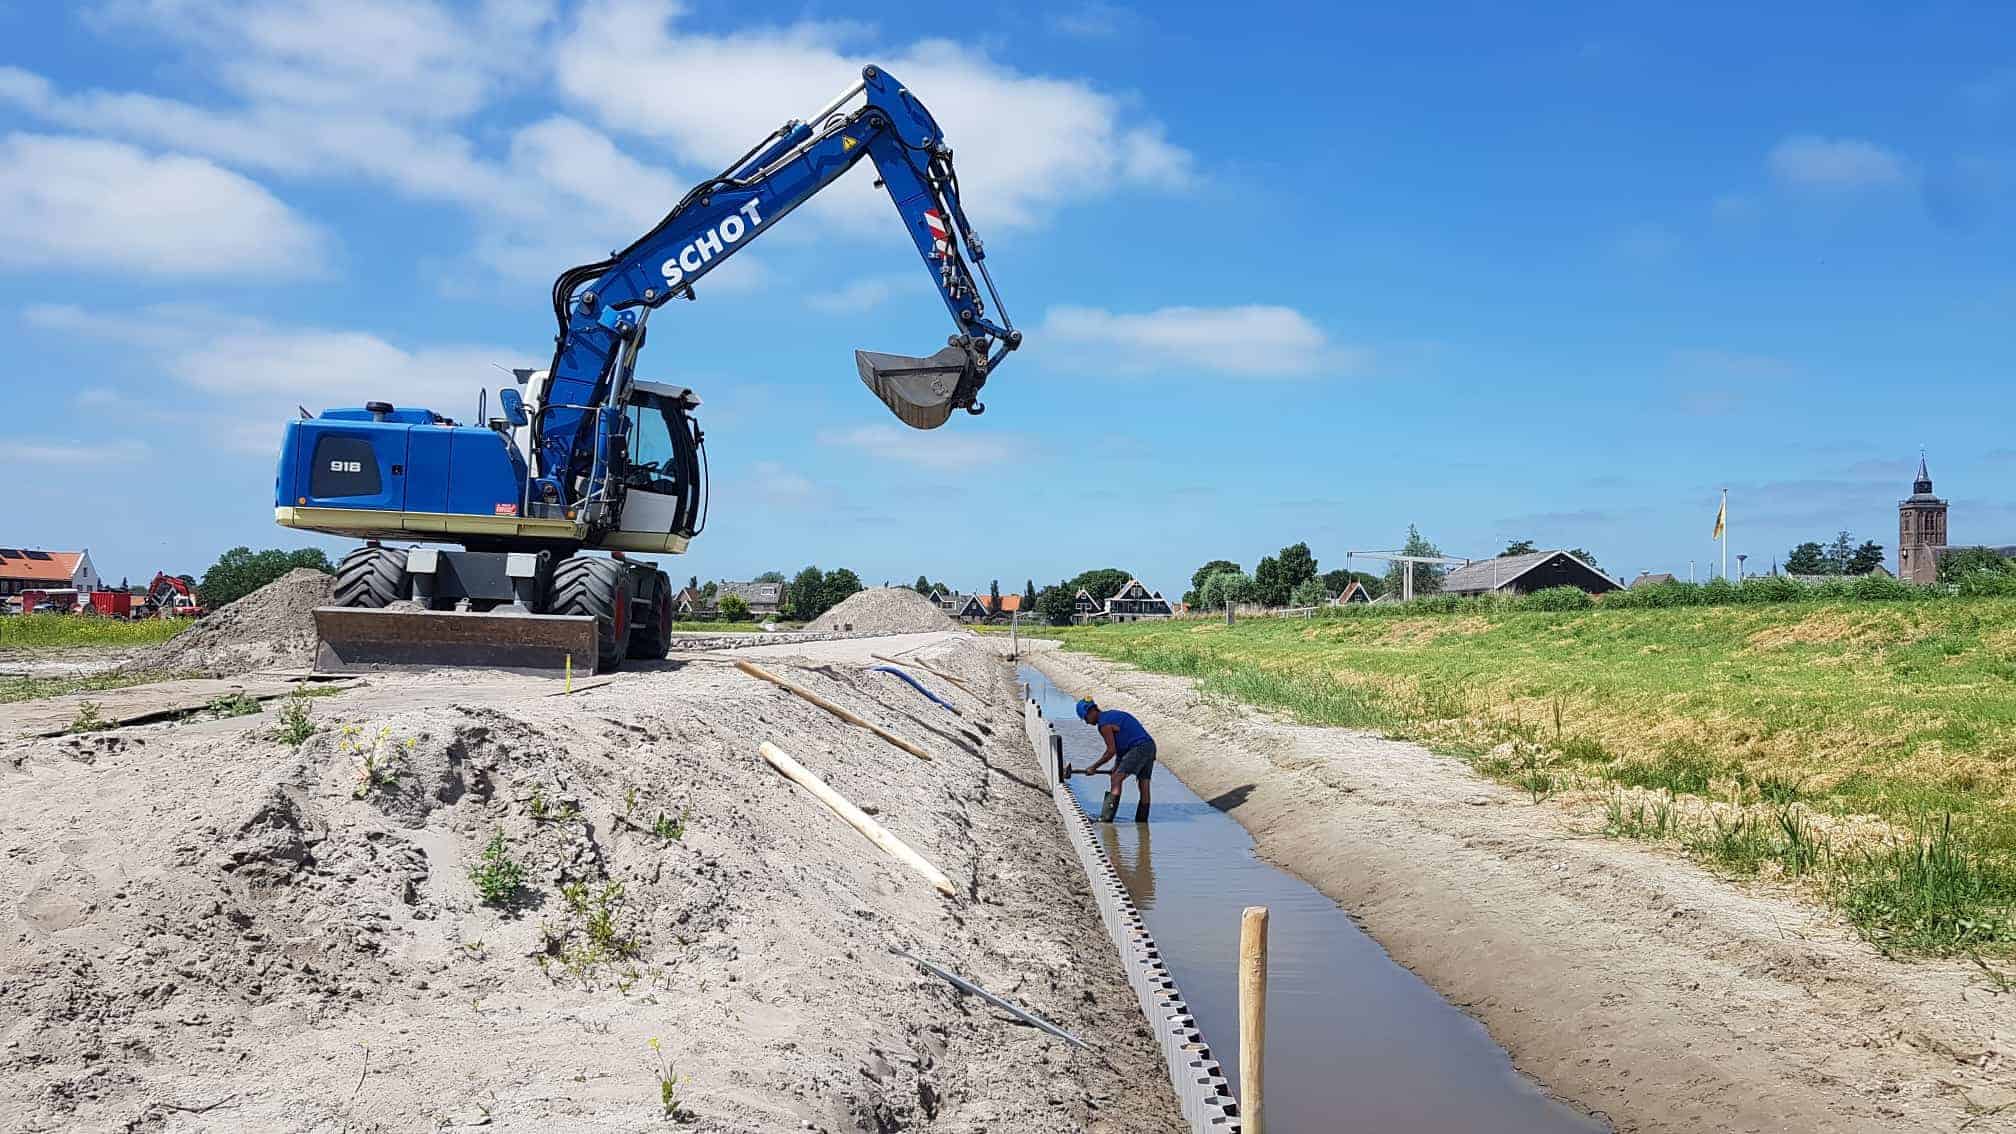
x=1725, y=534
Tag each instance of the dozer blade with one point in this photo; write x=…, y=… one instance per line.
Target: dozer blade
x=358, y=640
x=921, y=391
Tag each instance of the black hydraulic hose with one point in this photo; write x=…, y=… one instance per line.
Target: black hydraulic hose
x=706, y=484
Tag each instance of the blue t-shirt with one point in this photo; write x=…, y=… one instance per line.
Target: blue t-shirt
x=1130, y=731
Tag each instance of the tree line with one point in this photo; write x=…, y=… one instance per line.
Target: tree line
x=1839, y=556
x=1291, y=577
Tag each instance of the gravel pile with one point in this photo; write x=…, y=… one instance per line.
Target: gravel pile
x=885, y=610
x=271, y=628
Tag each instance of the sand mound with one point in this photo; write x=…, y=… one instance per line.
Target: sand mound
x=271, y=628
x=201, y=914
x=885, y=610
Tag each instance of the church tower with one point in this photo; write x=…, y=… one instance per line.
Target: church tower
x=1921, y=528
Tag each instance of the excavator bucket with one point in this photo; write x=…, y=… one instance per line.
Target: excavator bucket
x=918, y=390
x=358, y=640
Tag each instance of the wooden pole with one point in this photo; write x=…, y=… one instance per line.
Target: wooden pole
x=1252, y=1016
x=757, y=671
x=858, y=819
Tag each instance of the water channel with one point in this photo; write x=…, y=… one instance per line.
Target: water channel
x=1354, y=1041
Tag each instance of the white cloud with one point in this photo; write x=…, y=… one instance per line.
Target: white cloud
x=259, y=372
x=1252, y=341
x=43, y=451
x=857, y=297
x=411, y=59
x=780, y=487
x=1026, y=144
x=1811, y=161
x=383, y=92
x=76, y=202
x=938, y=450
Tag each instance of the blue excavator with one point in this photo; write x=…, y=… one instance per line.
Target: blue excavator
x=586, y=456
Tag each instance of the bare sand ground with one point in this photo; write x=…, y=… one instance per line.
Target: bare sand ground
x=1625, y=979
x=204, y=929
x=64, y=661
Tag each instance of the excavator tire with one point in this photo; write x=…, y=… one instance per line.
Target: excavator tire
x=370, y=577
x=649, y=638
x=585, y=584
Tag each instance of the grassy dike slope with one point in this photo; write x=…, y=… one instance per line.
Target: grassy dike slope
x=1862, y=750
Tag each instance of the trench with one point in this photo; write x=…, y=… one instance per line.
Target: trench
x=1354, y=1041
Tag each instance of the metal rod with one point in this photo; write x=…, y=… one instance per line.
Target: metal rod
x=964, y=985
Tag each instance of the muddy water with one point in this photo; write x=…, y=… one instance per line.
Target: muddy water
x=1354, y=1041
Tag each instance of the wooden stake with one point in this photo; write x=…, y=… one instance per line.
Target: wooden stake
x=858, y=819
x=757, y=671
x=1252, y=1016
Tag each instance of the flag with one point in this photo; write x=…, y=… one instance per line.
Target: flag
x=1721, y=518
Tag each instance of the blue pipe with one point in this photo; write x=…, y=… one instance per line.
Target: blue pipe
x=918, y=686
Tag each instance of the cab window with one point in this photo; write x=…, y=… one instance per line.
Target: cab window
x=654, y=463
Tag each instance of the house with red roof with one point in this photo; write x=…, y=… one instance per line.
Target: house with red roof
x=31, y=569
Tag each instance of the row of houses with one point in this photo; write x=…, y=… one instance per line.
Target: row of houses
x=1133, y=602
x=766, y=600
x=976, y=607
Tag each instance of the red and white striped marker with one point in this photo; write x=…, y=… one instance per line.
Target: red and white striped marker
x=941, y=237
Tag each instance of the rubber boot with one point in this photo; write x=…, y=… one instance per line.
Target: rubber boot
x=1141, y=812
x=1108, y=806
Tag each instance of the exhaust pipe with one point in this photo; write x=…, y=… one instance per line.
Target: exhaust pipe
x=923, y=392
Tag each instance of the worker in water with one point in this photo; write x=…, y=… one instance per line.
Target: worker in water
x=1130, y=748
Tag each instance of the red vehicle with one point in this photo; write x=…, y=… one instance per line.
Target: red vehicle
x=110, y=604
x=170, y=597
x=52, y=600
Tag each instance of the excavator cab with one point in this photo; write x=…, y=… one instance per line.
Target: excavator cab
x=663, y=474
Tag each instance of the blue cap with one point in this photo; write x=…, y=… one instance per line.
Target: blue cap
x=1085, y=707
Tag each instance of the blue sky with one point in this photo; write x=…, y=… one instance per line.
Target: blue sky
x=1285, y=273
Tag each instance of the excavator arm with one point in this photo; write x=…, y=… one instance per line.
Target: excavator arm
x=603, y=308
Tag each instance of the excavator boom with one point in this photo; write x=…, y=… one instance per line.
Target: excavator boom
x=601, y=307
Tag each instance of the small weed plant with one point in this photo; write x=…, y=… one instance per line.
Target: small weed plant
x=592, y=934
x=668, y=1081
x=296, y=720
x=496, y=876
x=381, y=758
x=233, y=704
x=669, y=828
x=1628, y=817
x=547, y=812
x=89, y=718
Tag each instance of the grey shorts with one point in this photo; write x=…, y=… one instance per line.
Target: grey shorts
x=1137, y=761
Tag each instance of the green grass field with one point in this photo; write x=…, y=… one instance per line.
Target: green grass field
x=74, y=631
x=1866, y=750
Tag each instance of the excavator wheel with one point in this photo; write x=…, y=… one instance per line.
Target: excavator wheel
x=584, y=584
x=370, y=577
x=649, y=638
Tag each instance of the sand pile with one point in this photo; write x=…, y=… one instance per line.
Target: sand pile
x=885, y=610
x=271, y=628
x=202, y=915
